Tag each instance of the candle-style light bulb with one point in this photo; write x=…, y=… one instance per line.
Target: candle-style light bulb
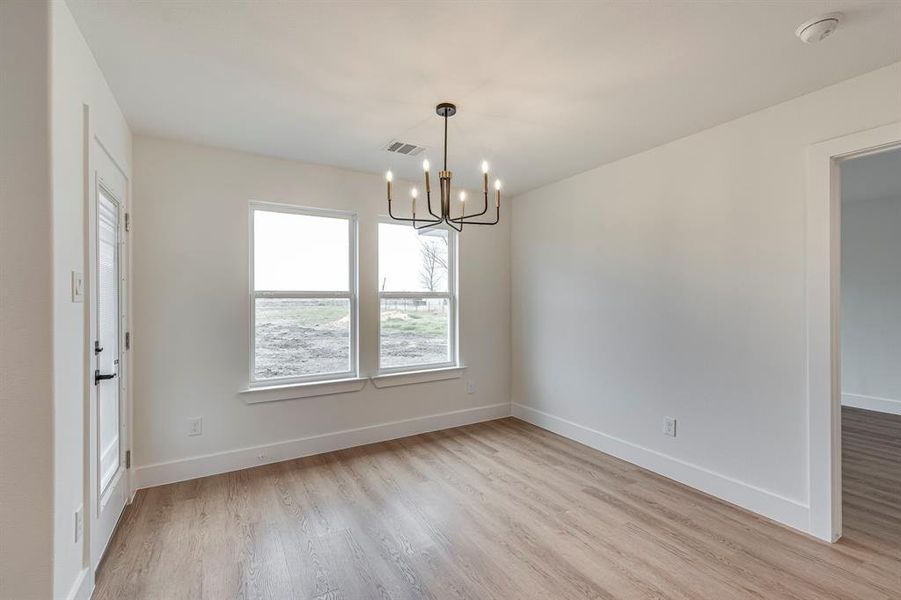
x=497, y=184
x=428, y=184
x=462, y=196
x=414, y=192
x=389, y=176
x=497, y=193
x=462, y=203
x=484, y=166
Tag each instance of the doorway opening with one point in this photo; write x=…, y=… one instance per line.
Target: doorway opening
x=870, y=346
x=823, y=315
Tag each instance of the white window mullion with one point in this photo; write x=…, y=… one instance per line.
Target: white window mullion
x=415, y=295
x=301, y=294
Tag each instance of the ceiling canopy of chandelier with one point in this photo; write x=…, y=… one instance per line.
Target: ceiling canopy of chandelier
x=446, y=110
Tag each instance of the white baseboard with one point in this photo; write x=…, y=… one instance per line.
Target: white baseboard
x=885, y=405
x=81, y=587
x=234, y=460
x=783, y=510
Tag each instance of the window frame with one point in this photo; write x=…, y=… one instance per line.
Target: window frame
x=452, y=296
x=352, y=293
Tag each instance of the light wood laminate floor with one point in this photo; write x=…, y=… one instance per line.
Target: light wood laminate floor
x=497, y=510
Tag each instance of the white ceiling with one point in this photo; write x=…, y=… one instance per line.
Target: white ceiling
x=872, y=177
x=544, y=89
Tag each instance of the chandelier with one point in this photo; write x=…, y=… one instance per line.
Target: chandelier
x=445, y=110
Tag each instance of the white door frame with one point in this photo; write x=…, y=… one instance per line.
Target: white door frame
x=823, y=270
x=97, y=155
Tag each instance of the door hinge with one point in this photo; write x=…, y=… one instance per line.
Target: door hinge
x=127, y=222
x=128, y=459
x=128, y=340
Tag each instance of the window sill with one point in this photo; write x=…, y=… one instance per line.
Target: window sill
x=410, y=377
x=293, y=391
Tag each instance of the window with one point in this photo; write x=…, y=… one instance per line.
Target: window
x=418, y=298
x=303, y=295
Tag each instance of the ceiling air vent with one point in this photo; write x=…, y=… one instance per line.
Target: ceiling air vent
x=398, y=147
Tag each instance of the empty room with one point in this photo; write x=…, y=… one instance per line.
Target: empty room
x=427, y=299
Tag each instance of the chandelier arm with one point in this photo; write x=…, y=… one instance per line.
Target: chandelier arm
x=409, y=220
x=427, y=224
x=458, y=229
x=414, y=221
x=461, y=219
x=494, y=222
x=428, y=202
x=497, y=218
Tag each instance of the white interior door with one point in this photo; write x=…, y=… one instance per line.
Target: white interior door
x=109, y=482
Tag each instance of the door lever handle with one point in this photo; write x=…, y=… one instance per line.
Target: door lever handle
x=98, y=377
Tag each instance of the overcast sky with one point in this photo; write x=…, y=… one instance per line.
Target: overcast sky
x=306, y=253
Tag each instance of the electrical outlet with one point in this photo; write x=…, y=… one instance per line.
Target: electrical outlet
x=195, y=426
x=470, y=387
x=79, y=524
x=669, y=426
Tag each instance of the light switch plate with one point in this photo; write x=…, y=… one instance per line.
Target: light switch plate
x=79, y=524
x=77, y=286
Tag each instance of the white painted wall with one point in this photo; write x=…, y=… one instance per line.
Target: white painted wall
x=671, y=283
x=26, y=336
x=191, y=308
x=76, y=82
x=871, y=304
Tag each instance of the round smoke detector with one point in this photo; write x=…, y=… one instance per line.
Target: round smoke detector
x=819, y=28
